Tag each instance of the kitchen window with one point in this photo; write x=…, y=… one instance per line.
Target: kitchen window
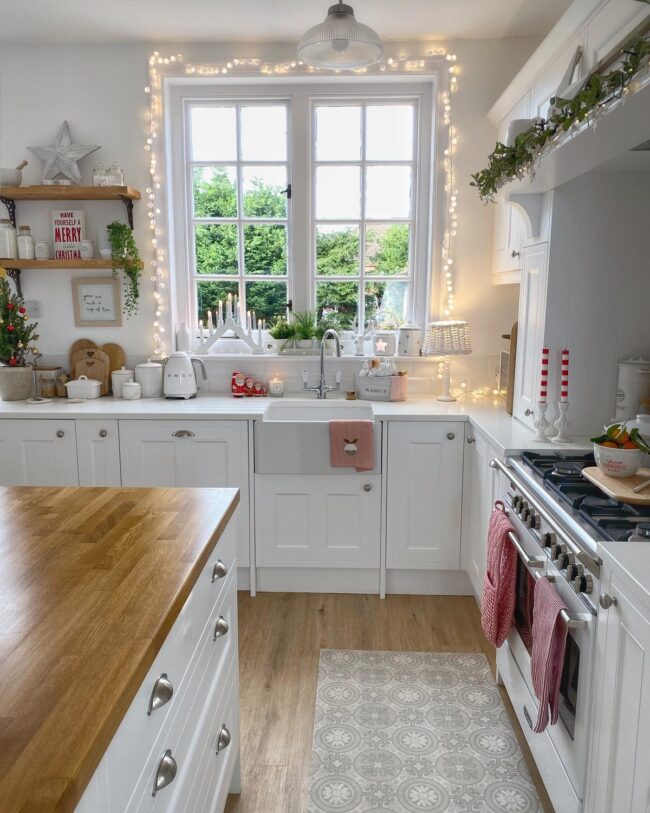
x=314, y=195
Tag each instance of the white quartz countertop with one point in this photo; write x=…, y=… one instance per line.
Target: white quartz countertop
x=487, y=416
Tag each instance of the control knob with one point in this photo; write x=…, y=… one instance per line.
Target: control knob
x=523, y=506
x=574, y=571
x=557, y=550
x=583, y=584
x=564, y=560
x=533, y=520
x=524, y=514
x=548, y=539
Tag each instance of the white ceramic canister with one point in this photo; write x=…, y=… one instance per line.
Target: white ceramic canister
x=118, y=379
x=149, y=376
x=8, y=241
x=42, y=250
x=633, y=386
x=409, y=340
x=131, y=391
x=384, y=343
x=86, y=249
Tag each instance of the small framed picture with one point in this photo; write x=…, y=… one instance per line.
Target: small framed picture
x=97, y=302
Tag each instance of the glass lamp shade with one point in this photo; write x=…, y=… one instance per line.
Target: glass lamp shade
x=340, y=42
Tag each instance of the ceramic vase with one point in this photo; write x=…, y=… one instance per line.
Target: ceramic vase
x=16, y=383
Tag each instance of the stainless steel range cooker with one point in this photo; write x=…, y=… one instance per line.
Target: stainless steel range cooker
x=558, y=519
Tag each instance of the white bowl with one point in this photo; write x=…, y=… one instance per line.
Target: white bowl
x=11, y=177
x=84, y=387
x=617, y=462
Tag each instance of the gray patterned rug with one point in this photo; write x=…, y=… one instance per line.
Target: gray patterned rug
x=407, y=732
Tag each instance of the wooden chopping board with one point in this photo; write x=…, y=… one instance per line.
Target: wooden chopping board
x=512, y=360
x=620, y=488
x=115, y=357
x=76, y=348
x=95, y=364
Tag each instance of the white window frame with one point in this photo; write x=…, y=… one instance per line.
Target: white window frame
x=302, y=94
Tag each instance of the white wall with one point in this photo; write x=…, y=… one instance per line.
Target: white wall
x=99, y=91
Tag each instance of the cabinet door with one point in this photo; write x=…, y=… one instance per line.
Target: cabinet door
x=98, y=453
x=548, y=84
x=509, y=228
x=476, y=509
x=619, y=781
x=425, y=471
x=199, y=454
x=317, y=520
x=38, y=453
x=610, y=26
x=532, y=306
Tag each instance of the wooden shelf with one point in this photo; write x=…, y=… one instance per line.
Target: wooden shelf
x=39, y=192
x=67, y=264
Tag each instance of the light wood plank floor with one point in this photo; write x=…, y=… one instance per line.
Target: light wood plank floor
x=280, y=636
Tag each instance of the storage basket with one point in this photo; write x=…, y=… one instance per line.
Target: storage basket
x=382, y=387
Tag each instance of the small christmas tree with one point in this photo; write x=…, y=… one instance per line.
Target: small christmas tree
x=17, y=337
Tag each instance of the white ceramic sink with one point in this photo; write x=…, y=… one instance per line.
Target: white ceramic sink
x=293, y=436
x=317, y=410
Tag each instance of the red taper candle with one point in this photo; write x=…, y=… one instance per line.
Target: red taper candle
x=564, y=382
x=543, y=387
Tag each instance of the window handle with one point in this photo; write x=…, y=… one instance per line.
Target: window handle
x=287, y=191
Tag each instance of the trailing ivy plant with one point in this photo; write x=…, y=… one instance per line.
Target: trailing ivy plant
x=125, y=256
x=509, y=162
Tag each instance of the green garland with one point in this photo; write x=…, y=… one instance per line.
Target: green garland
x=518, y=160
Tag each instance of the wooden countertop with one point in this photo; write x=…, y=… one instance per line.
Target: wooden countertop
x=91, y=581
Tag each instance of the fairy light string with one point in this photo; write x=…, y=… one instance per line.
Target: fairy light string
x=174, y=65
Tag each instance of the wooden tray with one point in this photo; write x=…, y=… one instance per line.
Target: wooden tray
x=620, y=488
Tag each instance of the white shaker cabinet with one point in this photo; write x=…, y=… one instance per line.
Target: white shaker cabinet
x=532, y=316
x=424, y=481
x=38, y=453
x=618, y=779
x=98, y=453
x=318, y=520
x=194, y=454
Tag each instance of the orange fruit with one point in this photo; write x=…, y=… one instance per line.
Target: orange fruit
x=611, y=444
x=623, y=438
x=630, y=445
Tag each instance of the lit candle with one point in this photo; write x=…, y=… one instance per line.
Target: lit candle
x=543, y=387
x=249, y=324
x=276, y=387
x=220, y=314
x=564, y=387
x=259, y=332
x=253, y=323
x=210, y=324
x=234, y=305
x=229, y=305
x=201, y=330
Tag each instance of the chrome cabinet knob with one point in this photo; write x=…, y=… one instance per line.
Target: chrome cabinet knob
x=223, y=740
x=451, y=435
x=60, y=433
x=161, y=693
x=103, y=433
x=606, y=601
x=220, y=628
x=528, y=412
x=514, y=253
x=367, y=487
x=165, y=772
x=219, y=570
x=471, y=440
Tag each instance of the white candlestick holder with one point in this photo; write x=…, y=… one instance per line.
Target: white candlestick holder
x=541, y=424
x=239, y=331
x=561, y=424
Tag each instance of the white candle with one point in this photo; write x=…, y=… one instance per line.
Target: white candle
x=229, y=305
x=259, y=331
x=201, y=330
x=249, y=324
x=276, y=387
x=234, y=305
x=210, y=324
x=220, y=314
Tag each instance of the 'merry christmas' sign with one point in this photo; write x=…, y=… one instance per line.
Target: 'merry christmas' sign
x=68, y=232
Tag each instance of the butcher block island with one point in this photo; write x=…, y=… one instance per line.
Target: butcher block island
x=118, y=649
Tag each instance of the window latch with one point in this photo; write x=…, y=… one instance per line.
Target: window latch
x=287, y=192
x=290, y=306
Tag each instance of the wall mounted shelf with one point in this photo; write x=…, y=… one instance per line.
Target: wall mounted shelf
x=10, y=194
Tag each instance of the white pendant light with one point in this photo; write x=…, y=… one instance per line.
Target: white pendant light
x=340, y=42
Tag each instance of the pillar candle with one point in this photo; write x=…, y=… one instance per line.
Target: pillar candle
x=259, y=331
x=543, y=387
x=564, y=383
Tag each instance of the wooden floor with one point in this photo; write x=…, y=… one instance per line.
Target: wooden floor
x=280, y=636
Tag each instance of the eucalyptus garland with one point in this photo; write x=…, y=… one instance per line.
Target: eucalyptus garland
x=517, y=161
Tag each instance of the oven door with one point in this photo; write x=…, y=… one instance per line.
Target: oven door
x=569, y=735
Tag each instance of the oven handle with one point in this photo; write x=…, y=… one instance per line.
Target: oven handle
x=592, y=563
x=529, y=561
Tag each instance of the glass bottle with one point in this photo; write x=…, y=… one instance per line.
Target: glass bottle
x=8, y=243
x=26, y=247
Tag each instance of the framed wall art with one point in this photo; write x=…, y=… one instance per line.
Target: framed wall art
x=97, y=302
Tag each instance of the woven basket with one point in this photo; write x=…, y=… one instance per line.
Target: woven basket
x=447, y=339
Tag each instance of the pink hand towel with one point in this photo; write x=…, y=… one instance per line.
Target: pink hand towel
x=498, y=606
x=547, y=659
x=352, y=444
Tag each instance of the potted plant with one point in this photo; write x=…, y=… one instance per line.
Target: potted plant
x=125, y=256
x=17, y=339
x=283, y=332
x=305, y=325
x=332, y=321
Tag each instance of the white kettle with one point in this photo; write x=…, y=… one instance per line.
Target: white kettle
x=180, y=378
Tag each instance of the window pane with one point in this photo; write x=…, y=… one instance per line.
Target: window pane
x=216, y=249
x=214, y=133
x=338, y=133
x=386, y=301
x=265, y=249
x=214, y=191
x=389, y=132
x=387, y=249
x=338, y=193
x=337, y=251
x=341, y=297
x=209, y=294
x=264, y=133
x=267, y=299
x=388, y=192
x=264, y=194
